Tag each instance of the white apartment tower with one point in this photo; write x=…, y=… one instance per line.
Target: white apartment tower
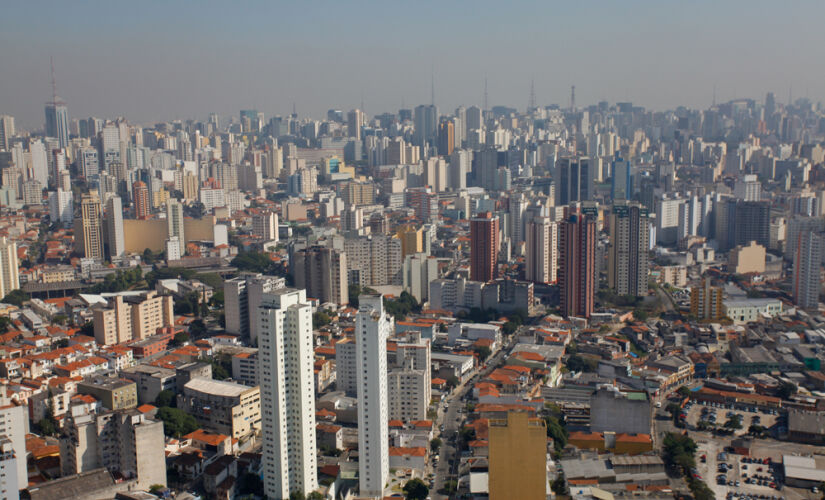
x=285, y=371
x=61, y=207
x=9, y=277
x=265, y=226
x=174, y=223
x=114, y=227
x=372, y=329
x=542, y=250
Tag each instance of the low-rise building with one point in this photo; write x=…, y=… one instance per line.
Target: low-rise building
x=114, y=393
x=224, y=407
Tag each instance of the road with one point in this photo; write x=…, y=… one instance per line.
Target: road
x=453, y=420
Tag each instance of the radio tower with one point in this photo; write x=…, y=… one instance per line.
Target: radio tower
x=573, y=98
x=54, y=82
x=485, y=95
x=531, y=104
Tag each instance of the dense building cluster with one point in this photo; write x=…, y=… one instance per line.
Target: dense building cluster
x=488, y=302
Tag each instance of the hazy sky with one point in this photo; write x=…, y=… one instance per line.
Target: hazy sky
x=153, y=61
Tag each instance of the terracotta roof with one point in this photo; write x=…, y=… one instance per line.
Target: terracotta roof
x=417, y=451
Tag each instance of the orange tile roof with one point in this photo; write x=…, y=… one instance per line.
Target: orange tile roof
x=146, y=408
x=417, y=451
x=210, y=438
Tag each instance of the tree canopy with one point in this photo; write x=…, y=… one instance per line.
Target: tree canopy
x=415, y=489
x=177, y=423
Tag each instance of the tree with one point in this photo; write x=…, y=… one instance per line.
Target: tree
x=786, y=390
x=219, y=372
x=576, y=363
x=450, y=486
x=180, y=338
x=678, y=451
x=559, y=485
x=683, y=391
x=435, y=444
x=257, y=262
x=5, y=324
x=734, y=422
x=165, y=398
x=197, y=329
x=557, y=431
x=320, y=319
x=156, y=488
x=314, y=495
x=251, y=484
x=452, y=381
x=483, y=352
x=15, y=297
x=88, y=329
x=415, y=489
x=177, y=423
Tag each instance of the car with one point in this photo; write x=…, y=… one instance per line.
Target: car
x=736, y=483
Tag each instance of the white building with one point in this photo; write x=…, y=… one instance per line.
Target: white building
x=286, y=375
x=114, y=226
x=61, y=207
x=372, y=329
x=173, y=245
x=542, y=252
x=242, y=296
x=419, y=271
x=806, y=265
x=14, y=423
x=174, y=225
x=410, y=382
x=265, y=226
x=747, y=310
x=9, y=276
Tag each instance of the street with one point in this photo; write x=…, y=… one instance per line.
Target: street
x=453, y=420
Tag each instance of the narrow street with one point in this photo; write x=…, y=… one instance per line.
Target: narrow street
x=453, y=420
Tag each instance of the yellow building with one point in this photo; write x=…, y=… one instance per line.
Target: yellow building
x=190, y=186
x=153, y=233
x=620, y=444
x=747, y=259
x=706, y=301
x=412, y=240
x=132, y=317
x=518, y=457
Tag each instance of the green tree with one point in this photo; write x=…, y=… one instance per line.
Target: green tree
x=257, y=262
x=786, y=390
x=197, y=329
x=483, y=352
x=435, y=444
x=88, y=329
x=5, y=324
x=165, y=398
x=415, y=489
x=177, y=423
x=16, y=297
x=314, y=495
x=559, y=485
x=576, y=363
x=734, y=422
x=251, y=484
x=180, y=338
x=683, y=391
x=450, y=486
x=557, y=431
x=320, y=319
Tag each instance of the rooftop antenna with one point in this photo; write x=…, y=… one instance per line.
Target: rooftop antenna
x=294, y=113
x=714, y=94
x=485, y=93
x=432, y=85
x=531, y=104
x=54, y=82
x=362, y=99
x=790, y=94
x=572, y=98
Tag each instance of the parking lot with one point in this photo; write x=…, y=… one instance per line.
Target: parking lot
x=718, y=414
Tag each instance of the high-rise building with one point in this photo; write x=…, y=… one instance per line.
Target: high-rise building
x=372, y=329
x=114, y=227
x=622, y=184
x=265, y=226
x=518, y=207
x=242, y=296
x=125, y=318
x=419, y=271
x=518, y=457
x=355, y=120
x=57, y=121
x=807, y=262
x=174, y=223
x=140, y=195
x=706, y=301
x=410, y=382
x=752, y=223
x=322, y=271
x=460, y=163
x=9, y=276
x=748, y=188
x=424, y=201
x=88, y=231
x=484, y=247
x=14, y=424
x=285, y=360
x=542, y=254
x=629, y=245
x=6, y=131
x=126, y=442
x=61, y=207
x=426, y=125
x=446, y=137
x=577, y=272
x=574, y=180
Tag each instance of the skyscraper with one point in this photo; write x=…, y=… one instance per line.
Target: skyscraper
x=629, y=245
x=806, y=265
x=426, y=123
x=574, y=180
x=355, y=119
x=174, y=223
x=541, y=254
x=372, y=328
x=57, y=121
x=6, y=131
x=9, y=277
x=484, y=247
x=518, y=207
x=622, y=185
x=446, y=137
x=88, y=231
x=286, y=374
x=114, y=227
x=577, y=272
x=140, y=194
x=322, y=271
x=265, y=226
x=61, y=207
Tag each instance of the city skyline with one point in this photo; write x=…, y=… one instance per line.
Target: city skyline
x=350, y=58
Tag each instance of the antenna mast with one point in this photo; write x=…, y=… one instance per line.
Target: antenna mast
x=54, y=82
x=531, y=104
